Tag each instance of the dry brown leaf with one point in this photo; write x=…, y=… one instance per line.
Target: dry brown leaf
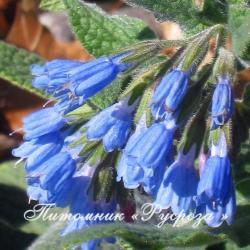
x=5, y=3
x=4, y=25
x=109, y=6
x=28, y=33
x=7, y=11
x=244, y=75
x=243, y=78
x=15, y=103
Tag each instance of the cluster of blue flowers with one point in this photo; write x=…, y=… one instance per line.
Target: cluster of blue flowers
x=57, y=173
x=52, y=166
x=148, y=156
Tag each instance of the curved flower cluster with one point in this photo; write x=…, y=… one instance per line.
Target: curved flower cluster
x=52, y=166
x=60, y=174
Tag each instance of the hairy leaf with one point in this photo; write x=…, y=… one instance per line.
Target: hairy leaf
x=53, y=5
x=110, y=94
x=15, y=66
x=51, y=239
x=145, y=237
x=239, y=26
x=191, y=18
x=102, y=34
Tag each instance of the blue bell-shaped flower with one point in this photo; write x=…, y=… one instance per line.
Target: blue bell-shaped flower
x=222, y=102
x=169, y=93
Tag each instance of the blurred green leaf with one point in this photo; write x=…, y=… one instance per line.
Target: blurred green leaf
x=12, y=238
x=15, y=66
x=211, y=12
x=192, y=18
x=52, y=5
x=246, y=97
x=12, y=175
x=239, y=231
x=145, y=237
x=241, y=125
x=237, y=1
x=15, y=201
x=239, y=26
x=51, y=239
x=101, y=34
x=242, y=175
x=232, y=246
x=243, y=195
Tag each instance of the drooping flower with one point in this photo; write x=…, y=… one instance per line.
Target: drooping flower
x=52, y=174
x=81, y=78
x=72, y=83
x=67, y=102
x=169, y=93
x=52, y=166
x=83, y=205
x=151, y=148
x=222, y=102
x=94, y=78
x=139, y=163
x=179, y=186
x=215, y=190
x=39, y=150
x=42, y=122
x=52, y=76
x=132, y=175
x=50, y=182
x=61, y=198
x=112, y=126
x=152, y=179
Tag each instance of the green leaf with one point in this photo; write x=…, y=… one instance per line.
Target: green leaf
x=110, y=94
x=242, y=186
x=242, y=175
x=15, y=67
x=231, y=246
x=144, y=107
x=51, y=239
x=211, y=12
x=191, y=19
x=239, y=26
x=101, y=34
x=141, y=81
x=52, y=5
x=12, y=175
x=237, y=1
x=9, y=233
x=145, y=237
x=241, y=125
x=83, y=113
x=239, y=230
x=103, y=183
x=97, y=156
x=13, y=196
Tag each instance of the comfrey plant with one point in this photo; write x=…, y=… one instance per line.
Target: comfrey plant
x=167, y=116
